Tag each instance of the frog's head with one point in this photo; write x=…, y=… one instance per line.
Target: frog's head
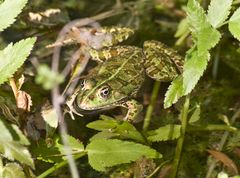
x=95, y=95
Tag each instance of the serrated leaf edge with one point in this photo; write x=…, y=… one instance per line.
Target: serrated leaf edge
x=22, y=60
x=5, y=3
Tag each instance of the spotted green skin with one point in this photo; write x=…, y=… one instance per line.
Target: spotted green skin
x=122, y=69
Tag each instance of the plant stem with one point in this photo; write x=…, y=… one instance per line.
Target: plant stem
x=151, y=106
x=58, y=166
x=211, y=127
x=179, y=147
x=14, y=87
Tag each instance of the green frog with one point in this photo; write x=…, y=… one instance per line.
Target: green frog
x=120, y=73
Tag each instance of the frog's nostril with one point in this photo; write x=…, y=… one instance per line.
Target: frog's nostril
x=91, y=97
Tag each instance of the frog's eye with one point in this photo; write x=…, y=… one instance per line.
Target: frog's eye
x=104, y=92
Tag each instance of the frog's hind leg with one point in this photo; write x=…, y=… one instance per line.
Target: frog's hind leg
x=162, y=63
x=110, y=52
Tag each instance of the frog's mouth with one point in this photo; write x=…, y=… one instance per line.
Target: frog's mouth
x=87, y=111
x=91, y=111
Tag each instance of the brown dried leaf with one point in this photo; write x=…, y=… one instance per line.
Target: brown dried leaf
x=24, y=101
x=225, y=160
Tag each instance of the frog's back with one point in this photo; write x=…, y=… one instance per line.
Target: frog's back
x=123, y=72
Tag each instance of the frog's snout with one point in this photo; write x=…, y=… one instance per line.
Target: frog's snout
x=84, y=103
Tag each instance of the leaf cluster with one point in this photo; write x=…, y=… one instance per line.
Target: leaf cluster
x=205, y=33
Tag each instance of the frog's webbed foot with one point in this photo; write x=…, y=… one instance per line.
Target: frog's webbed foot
x=70, y=105
x=162, y=63
x=134, y=108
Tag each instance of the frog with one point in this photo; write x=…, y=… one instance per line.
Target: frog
x=120, y=74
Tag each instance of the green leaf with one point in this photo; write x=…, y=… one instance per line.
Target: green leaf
x=48, y=78
x=234, y=24
x=75, y=145
x=107, y=153
x=196, y=17
x=196, y=115
x=11, y=144
x=194, y=67
x=204, y=35
x=9, y=10
x=207, y=38
x=168, y=132
x=218, y=12
x=102, y=125
x=182, y=28
x=13, y=56
x=14, y=150
x=22, y=139
x=104, y=135
x=50, y=117
x=174, y=92
x=113, y=128
x=12, y=170
x=47, y=152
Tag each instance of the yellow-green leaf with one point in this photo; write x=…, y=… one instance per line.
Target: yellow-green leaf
x=234, y=24
x=9, y=10
x=174, y=92
x=103, y=153
x=218, y=12
x=168, y=132
x=13, y=56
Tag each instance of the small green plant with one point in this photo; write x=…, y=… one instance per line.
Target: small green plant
x=13, y=142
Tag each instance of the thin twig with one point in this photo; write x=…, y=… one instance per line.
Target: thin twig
x=77, y=23
x=73, y=83
x=58, y=166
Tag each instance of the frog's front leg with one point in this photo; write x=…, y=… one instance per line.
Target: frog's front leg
x=134, y=108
